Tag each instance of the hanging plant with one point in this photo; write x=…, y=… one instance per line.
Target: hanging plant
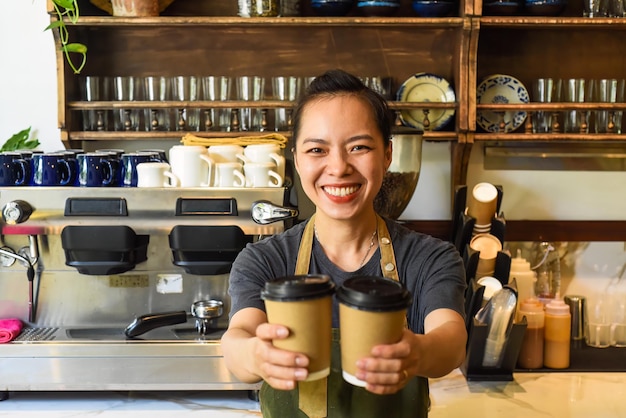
x=68, y=10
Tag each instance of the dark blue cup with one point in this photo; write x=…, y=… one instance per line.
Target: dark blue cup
x=70, y=156
x=115, y=151
x=95, y=170
x=14, y=170
x=27, y=154
x=129, y=163
x=160, y=153
x=114, y=156
x=52, y=170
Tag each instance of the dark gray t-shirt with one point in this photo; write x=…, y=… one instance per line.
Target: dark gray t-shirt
x=431, y=269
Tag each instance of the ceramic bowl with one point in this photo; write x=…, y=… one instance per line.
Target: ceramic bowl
x=331, y=8
x=378, y=8
x=501, y=8
x=544, y=7
x=433, y=8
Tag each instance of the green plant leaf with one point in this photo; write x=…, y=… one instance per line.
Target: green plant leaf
x=20, y=140
x=66, y=4
x=54, y=25
x=75, y=47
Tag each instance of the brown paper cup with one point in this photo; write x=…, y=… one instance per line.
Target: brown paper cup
x=488, y=245
x=362, y=330
x=304, y=305
x=482, y=203
x=372, y=311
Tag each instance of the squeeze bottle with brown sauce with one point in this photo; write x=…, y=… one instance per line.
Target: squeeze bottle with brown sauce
x=531, y=352
x=557, y=335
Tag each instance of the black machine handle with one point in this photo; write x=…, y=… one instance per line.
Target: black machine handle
x=148, y=322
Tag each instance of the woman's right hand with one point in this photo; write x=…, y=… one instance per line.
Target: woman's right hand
x=281, y=369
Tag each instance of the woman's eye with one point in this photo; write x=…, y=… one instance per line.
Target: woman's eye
x=314, y=151
x=360, y=148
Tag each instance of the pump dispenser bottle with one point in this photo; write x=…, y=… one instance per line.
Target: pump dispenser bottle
x=531, y=352
x=524, y=278
x=557, y=335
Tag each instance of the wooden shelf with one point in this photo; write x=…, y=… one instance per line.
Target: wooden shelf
x=270, y=22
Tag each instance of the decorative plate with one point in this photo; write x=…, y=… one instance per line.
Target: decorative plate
x=426, y=87
x=500, y=88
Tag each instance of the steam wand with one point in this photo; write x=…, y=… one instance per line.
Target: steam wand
x=29, y=262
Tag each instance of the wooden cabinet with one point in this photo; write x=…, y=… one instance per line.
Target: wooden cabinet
x=205, y=37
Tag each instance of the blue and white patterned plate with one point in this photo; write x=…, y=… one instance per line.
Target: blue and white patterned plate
x=426, y=87
x=496, y=89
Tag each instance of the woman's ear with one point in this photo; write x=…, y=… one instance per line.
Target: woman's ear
x=388, y=154
x=295, y=158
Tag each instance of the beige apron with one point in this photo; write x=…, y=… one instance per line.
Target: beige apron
x=311, y=399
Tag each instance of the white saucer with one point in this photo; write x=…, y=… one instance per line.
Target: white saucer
x=500, y=88
x=426, y=87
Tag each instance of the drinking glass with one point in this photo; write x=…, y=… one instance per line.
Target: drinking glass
x=216, y=88
x=608, y=91
x=185, y=89
x=576, y=90
x=93, y=89
x=251, y=88
x=126, y=88
x=157, y=89
x=285, y=89
x=543, y=89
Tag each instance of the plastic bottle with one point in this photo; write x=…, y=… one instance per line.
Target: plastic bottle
x=548, y=269
x=557, y=335
x=525, y=280
x=531, y=352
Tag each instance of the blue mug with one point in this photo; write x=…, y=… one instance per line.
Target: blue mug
x=95, y=170
x=114, y=157
x=14, y=170
x=28, y=156
x=160, y=154
x=69, y=155
x=129, y=163
x=52, y=170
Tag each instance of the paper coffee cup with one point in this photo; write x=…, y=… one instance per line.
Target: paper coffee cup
x=372, y=311
x=303, y=303
x=488, y=246
x=482, y=203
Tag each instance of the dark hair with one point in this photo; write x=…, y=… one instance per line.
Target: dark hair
x=339, y=82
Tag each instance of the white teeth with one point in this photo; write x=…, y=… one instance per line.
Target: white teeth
x=341, y=191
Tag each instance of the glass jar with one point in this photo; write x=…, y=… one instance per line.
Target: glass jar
x=264, y=8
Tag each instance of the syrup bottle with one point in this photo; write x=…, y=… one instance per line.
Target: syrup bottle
x=557, y=335
x=531, y=352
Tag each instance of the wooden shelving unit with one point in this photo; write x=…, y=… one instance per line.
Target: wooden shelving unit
x=207, y=38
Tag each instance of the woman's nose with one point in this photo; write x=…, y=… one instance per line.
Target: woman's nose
x=338, y=163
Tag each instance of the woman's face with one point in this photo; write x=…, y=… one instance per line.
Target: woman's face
x=340, y=155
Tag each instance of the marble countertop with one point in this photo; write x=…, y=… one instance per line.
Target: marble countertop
x=554, y=394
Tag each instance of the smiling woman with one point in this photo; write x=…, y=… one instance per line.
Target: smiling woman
x=342, y=150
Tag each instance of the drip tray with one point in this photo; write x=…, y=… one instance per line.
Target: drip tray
x=159, y=334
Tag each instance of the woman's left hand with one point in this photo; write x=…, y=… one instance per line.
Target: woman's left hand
x=390, y=367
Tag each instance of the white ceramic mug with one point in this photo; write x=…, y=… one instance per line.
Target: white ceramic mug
x=191, y=164
x=226, y=153
x=266, y=153
x=229, y=174
x=262, y=175
x=155, y=175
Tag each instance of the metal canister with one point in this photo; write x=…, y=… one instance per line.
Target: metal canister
x=577, y=309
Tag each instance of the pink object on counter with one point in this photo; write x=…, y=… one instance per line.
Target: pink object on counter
x=9, y=329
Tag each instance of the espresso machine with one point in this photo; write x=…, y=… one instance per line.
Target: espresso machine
x=125, y=288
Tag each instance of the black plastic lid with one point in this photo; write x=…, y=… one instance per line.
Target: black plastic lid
x=298, y=287
x=371, y=293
